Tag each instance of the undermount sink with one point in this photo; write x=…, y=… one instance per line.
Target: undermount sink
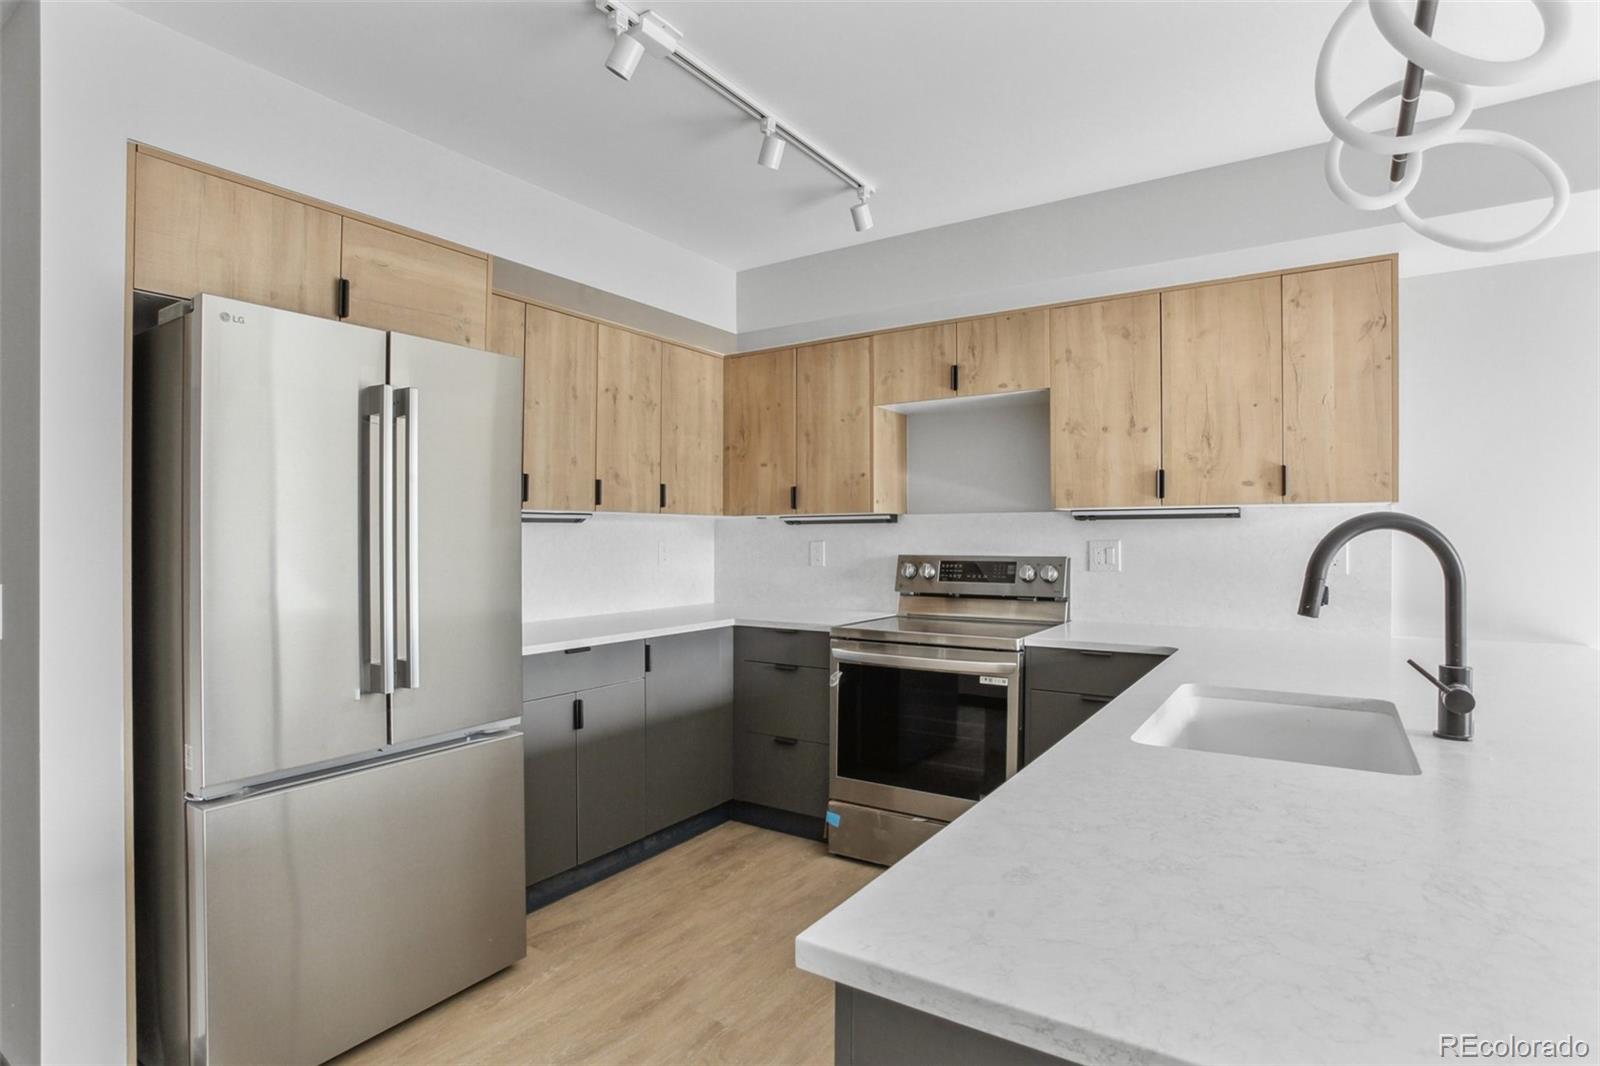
x=1289, y=726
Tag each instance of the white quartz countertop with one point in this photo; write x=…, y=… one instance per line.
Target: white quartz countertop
x=1117, y=902
x=561, y=633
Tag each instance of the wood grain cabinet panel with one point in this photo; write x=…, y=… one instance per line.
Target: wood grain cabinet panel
x=758, y=433
x=1222, y=392
x=628, y=421
x=913, y=364
x=1339, y=384
x=1105, y=402
x=507, y=320
x=1003, y=353
x=410, y=285
x=559, y=376
x=833, y=427
x=195, y=232
x=691, y=431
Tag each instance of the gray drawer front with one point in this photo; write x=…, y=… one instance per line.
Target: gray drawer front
x=1097, y=673
x=558, y=672
x=1049, y=716
x=789, y=776
x=781, y=700
x=798, y=647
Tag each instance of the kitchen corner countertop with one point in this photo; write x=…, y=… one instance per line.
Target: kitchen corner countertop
x=1117, y=902
x=558, y=634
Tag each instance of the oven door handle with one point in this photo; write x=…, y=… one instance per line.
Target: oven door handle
x=929, y=663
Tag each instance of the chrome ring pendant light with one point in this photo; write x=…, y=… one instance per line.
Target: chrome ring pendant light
x=1452, y=74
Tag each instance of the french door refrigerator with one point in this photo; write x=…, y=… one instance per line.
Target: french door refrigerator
x=326, y=673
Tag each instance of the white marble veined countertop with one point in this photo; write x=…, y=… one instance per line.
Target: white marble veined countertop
x=1117, y=902
x=561, y=633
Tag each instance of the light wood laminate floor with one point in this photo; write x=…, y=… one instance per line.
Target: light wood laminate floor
x=686, y=958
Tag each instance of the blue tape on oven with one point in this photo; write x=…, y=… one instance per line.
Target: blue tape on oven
x=832, y=818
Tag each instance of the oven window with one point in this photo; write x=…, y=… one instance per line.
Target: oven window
x=933, y=732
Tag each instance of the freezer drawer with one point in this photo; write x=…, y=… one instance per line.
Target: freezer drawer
x=327, y=912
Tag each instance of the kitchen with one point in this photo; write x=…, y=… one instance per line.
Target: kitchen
x=738, y=416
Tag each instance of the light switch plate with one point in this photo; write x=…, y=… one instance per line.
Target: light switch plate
x=819, y=553
x=1105, y=556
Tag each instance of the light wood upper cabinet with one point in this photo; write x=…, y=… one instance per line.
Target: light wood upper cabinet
x=1339, y=384
x=195, y=232
x=1222, y=392
x=507, y=320
x=691, y=431
x=628, y=421
x=913, y=364
x=1105, y=402
x=414, y=286
x=758, y=413
x=559, y=376
x=1003, y=353
x=833, y=427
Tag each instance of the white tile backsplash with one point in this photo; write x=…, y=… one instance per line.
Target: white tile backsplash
x=616, y=562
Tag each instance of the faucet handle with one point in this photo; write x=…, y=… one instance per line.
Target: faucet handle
x=1456, y=698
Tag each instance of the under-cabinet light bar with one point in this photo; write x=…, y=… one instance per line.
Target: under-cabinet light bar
x=839, y=519
x=568, y=517
x=1119, y=514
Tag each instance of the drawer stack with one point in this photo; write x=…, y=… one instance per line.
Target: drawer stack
x=780, y=747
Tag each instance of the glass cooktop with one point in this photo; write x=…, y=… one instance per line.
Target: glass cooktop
x=945, y=632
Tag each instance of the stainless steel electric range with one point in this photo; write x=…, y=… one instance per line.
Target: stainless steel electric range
x=927, y=703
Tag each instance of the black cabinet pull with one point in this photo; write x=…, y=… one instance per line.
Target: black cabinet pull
x=1095, y=699
x=647, y=658
x=575, y=651
x=955, y=377
x=1096, y=654
x=1161, y=483
x=790, y=632
x=1283, y=474
x=794, y=497
x=524, y=488
x=597, y=492
x=787, y=742
x=787, y=668
x=663, y=495
x=344, y=297
x=577, y=714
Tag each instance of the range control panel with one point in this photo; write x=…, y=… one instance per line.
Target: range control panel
x=1026, y=577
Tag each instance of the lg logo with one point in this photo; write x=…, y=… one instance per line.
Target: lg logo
x=226, y=317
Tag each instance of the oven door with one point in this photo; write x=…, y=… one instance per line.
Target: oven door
x=922, y=730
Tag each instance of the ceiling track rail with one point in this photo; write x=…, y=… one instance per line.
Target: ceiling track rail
x=1411, y=90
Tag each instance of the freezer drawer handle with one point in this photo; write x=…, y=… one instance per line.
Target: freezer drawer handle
x=377, y=652
x=409, y=667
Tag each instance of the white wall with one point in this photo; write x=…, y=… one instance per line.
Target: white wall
x=1242, y=573
x=1500, y=447
x=616, y=562
x=985, y=455
x=108, y=76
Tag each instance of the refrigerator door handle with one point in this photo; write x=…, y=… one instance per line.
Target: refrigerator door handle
x=409, y=674
x=377, y=412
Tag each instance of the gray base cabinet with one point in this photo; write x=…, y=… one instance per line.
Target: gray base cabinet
x=611, y=768
x=871, y=1031
x=780, y=727
x=1067, y=686
x=549, y=787
x=688, y=729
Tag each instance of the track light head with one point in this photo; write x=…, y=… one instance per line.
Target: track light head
x=626, y=51
x=861, y=214
x=771, y=155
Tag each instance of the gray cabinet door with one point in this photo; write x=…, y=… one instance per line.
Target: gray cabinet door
x=1049, y=716
x=611, y=768
x=549, y=786
x=688, y=699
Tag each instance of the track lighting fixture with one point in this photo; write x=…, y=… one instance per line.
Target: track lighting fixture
x=771, y=155
x=641, y=32
x=861, y=214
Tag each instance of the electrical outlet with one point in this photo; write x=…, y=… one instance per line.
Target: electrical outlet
x=819, y=553
x=1105, y=555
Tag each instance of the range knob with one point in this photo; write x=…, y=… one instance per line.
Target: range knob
x=908, y=570
x=1050, y=574
x=1025, y=572
x=929, y=571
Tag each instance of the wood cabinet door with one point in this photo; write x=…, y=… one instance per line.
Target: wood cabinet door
x=559, y=372
x=1222, y=392
x=833, y=427
x=507, y=321
x=628, y=422
x=1105, y=402
x=409, y=285
x=691, y=431
x=1003, y=353
x=758, y=433
x=195, y=232
x=913, y=364
x=1339, y=384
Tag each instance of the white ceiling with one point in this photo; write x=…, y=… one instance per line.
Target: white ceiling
x=954, y=110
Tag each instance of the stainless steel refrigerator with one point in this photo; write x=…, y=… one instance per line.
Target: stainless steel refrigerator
x=326, y=676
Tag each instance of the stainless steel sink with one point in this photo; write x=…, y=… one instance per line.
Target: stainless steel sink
x=1342, y=731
